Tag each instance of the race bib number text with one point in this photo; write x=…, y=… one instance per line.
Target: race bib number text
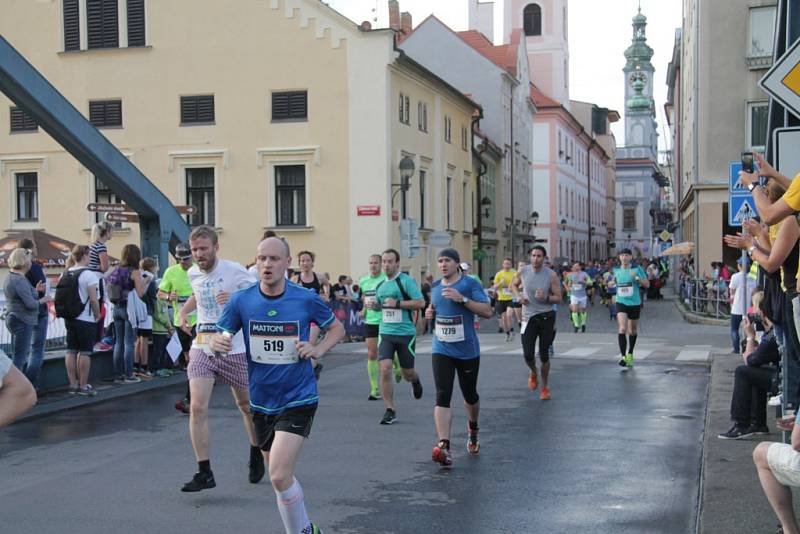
x=625, y=290
x=450, y=329
x=274, y=342
x=392, y=315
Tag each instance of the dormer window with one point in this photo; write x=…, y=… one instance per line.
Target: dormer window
x=532, y=19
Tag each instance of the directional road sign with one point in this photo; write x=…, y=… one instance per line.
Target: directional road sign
x=124, y=208
x=782, y=81
x=122, y=217
x=740, y=208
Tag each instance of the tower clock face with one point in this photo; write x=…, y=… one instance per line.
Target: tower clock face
x=638, y=75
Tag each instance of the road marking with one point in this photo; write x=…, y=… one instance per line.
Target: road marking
x=693, y=355
x=581, y=352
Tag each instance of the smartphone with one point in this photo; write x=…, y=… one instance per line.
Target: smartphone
x=747, y=163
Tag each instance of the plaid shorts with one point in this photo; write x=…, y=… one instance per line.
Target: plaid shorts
x=230, y=369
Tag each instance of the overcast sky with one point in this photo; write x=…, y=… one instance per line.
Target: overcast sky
x=599, y=33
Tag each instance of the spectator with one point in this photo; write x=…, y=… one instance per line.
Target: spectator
x=754, y=379
x=738, y=291
x=339, y=289
x=81, y=330
x=22, y=305
x=33, y=367
x=162, y=332
x=98, y=262
x=144, y=323
x=125, y=278
x=778, y=466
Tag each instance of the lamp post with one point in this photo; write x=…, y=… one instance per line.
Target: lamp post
x=563, y=225
x=406, y=168
x=535, y=218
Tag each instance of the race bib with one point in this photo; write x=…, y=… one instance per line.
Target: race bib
x=369, y=299
x=625, y=290
x=392, y=315
x=450, y=329
x=274, y=342
x=504, y=292
x=577, y=287
x=204, y=333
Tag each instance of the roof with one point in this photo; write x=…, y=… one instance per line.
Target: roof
x=542, y=100
x=504, y=56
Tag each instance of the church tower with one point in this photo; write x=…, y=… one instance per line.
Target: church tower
x=544, y=25
x=640, y=113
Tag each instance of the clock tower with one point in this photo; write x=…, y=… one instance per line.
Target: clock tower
x=640, y=124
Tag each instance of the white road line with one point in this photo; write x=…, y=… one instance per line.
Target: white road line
x=641, y=354
x=693, y=355
x=581, y=352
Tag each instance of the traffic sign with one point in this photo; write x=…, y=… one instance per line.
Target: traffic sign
x=122, y=217
x=664, y=235
x=440, y=239
x=735, y=184
x=782, y=81
x=114, y=208
x=785, y=142
x=740, y=208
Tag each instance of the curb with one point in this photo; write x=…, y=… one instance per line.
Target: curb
x=694, y=318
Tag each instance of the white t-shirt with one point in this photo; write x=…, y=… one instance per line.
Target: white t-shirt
x=87, y=279
x=737, y=283
x=227, y=276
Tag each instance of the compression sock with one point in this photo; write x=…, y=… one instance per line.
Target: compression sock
x=292, y=508
x=473, y=425
x=583, y=318
x=373, y=369
x=575, y=321
x=622, y=343
x=631, y=343
x=204, y=466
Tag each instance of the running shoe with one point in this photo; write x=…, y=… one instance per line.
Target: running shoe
x=583, y=329
x=629, y=361
x=533, y=382
x=441, y=455
x=416, y=388
x=182, y=406
x=545, y=394
x=576, y=329
x=311, y=529
x=389, y=417
x=736, y=432
x=622, y=362
x=374, y=396
x=777, y=400
x=87, y=391
x=473, y=445
x=73, y=390
x=131, y=380
x=200, y=481
x=255, y=467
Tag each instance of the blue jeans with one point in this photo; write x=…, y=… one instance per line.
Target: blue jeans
x=160, y=342
x=124, y=343
x=21, y=333
x=736, y=322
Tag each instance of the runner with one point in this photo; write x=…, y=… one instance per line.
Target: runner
x=397, y=297
x=275, y=317
x=610, y=291
x=176, y=289
x=576, y=284
x=372, y=321
x=537, y=288
x=455, y=301
x=630, y=281
x=213, y=281
x=503, y=306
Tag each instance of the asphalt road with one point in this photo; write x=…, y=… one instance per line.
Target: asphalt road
x=612, y=452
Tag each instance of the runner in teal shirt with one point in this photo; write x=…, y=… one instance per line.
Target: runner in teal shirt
x=629, y=279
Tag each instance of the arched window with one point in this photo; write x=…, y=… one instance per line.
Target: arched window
x=532, y=19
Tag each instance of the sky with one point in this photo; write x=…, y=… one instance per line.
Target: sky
x=599, y=33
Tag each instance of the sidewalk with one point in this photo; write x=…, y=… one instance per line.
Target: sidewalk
x=731, y=497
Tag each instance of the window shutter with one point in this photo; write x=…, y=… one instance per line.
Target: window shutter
x=197, y=109
x=102, y=24
x=136, y=23
x=280, y=106
x=290, y=105
x=21, y=121
x=72, y=34
x=105, y=113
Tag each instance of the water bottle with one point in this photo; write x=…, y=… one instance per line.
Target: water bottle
x=228, y=336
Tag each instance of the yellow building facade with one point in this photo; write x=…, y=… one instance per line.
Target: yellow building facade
x=265, y=114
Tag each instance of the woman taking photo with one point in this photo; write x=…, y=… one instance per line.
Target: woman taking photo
x=22, y=305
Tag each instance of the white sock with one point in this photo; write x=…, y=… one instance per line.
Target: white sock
x=292, y=508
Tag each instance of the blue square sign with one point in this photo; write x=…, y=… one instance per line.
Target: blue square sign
x=735, y=186
x=740, y=208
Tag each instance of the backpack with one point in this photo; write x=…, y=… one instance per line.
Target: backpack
x=68, y=302
x=119, y=285
x=412, y=315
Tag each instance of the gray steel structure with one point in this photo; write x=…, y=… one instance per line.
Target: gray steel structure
x=161, y=226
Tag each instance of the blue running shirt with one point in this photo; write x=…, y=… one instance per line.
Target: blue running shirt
x=454, y=334
x=271, y=327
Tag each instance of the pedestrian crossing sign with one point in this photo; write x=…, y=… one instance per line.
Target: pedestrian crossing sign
x=740, y=208
x=735, y=184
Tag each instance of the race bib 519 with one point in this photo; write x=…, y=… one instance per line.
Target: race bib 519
x=274, y=342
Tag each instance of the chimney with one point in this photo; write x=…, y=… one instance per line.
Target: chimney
x=405, y=23
x=394, y=14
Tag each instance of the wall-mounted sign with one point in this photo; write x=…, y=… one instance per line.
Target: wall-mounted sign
x=368, y=210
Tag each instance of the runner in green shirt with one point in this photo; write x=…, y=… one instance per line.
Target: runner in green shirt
x=372, y=320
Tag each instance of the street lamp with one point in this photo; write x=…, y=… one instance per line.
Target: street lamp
x=485, y=203
x=563, y=225
x=407, y=168
x=535, y=217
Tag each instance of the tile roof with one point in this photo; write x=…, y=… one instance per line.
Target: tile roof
x=541, y=100
x=504, y=56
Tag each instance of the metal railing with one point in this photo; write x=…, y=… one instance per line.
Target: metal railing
x=706, y=297
x=56, y=331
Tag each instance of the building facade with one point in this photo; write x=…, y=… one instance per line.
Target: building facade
x=232, y=126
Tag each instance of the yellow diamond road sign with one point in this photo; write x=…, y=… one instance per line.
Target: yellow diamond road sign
x=782, y=81
x=664, y=235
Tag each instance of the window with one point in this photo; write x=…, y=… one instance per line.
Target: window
x=404, y=109
x=449, y=204
x=560, y=150
x=422, y=186
x=27, y=196
x=104, y=195
x=401, y=108
x=197, y=109
x=629, y=218
x=290, y=195
x=290, y=105
x=761, y=30
x=200, y=193
x=22, y=122
x=532, y=19
x=102, y=23
x=464, y=138
x=105, y=113
x=448, y=124
x=136, y=23
x=72, y=25
x=422, y=116
x=467, y=204
x=757, y=113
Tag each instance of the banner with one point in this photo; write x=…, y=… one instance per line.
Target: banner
x=348, y=314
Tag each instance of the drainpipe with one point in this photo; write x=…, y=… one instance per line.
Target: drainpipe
x=589, y=195
x=695, y=141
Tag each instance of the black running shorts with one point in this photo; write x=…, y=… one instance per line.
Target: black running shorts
x=370, y=331
x=501, y=306
x=633, y=312
x=403, y=346
x=294, y=421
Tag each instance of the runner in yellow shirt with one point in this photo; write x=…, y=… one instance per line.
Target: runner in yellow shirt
x=503, y=306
